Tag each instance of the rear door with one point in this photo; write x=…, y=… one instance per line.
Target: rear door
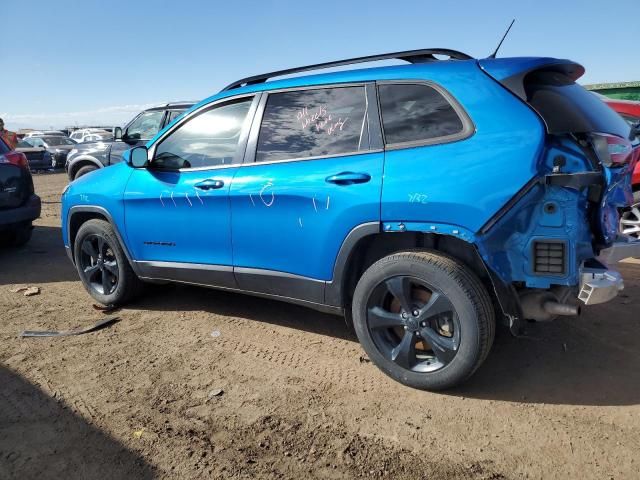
x=312, y=173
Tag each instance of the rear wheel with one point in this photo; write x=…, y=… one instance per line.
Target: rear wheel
x=102, y=265
x=424, y=319
x=84, y=170
x=630, y=221
x=22, y=234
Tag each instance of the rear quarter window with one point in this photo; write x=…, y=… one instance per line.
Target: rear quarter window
x=567, y=107
x=420, y=114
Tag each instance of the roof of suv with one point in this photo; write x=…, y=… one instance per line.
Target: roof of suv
x=414, y=69
x=410, y=56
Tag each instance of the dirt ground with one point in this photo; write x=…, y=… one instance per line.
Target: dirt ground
x=136, y=400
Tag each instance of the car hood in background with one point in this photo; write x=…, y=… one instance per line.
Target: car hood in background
x=62, y=148
x=91, y=147
x=29, y=149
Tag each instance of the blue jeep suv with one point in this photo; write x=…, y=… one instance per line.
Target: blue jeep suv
x=423, y=201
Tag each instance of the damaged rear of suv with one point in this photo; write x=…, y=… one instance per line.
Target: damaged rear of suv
x=544, y=243
x=424, y=202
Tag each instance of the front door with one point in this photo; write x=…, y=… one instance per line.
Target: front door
x=177, y=209
x=313, y=173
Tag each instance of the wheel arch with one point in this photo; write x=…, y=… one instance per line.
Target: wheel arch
x=365, y=245
x=82, y=161
x=79, y=215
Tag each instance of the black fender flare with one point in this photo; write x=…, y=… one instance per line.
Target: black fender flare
x=333, y=289
x=78, y=209
x=73, y=166
x=334, y=295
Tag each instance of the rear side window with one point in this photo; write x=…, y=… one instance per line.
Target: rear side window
x=313, y=123
x=418, y=113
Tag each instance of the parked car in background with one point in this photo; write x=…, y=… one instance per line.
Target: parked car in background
x=503, y=180
x=144, y=126
x=630, y=220
x=629, y=109
x=91, y=128
x=40, y=133
x=19, y=205
x=97, y=137
x=90, y=135
x=58, y=146
x=39, y=158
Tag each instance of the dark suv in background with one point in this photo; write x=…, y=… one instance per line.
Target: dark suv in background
x=19, y=205
x=85, y=158
x=58, y=146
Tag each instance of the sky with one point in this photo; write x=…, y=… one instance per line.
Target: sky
x=76, y=62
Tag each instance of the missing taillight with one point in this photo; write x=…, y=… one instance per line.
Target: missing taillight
x=612, y=151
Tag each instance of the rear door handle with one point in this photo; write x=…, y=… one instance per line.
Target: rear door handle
x=209, y=184
x=348, y=178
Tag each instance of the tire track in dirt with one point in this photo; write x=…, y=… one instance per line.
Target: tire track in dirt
x=327, y=361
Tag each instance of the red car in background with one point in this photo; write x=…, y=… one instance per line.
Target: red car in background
x=630, y=111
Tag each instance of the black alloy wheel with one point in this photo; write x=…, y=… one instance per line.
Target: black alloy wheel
x=99, y=264
x=413, y=324
x=423, y=318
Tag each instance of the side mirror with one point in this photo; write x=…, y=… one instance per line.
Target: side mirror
x=117, y=133
x=138, y=157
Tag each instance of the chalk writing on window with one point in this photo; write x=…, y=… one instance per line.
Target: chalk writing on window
x=319, y=118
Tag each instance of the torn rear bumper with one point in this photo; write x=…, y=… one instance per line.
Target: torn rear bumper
x=599, y=285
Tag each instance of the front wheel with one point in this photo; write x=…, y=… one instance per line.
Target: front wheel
x=424, y=319
x=84, y=170
x=102, y=265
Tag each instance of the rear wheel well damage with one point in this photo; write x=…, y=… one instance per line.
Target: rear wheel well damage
x=373, y=247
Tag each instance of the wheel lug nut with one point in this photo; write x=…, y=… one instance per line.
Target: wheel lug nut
x=404, y=315
x=415, y=313
x=417, y=334
x=405, y=327
x=423, y=324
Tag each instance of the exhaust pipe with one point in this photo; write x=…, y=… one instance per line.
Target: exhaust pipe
x=543, y=306
x=555, y=308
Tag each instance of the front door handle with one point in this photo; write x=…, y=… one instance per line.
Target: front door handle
x=348, y=178
x=209, y=184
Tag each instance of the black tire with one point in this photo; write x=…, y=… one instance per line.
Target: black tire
x=457, y=314
x=102, y=264
x=17, y=236
x=84, y=170
x=22, y=234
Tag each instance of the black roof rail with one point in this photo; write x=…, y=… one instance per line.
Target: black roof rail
x=411, y=56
